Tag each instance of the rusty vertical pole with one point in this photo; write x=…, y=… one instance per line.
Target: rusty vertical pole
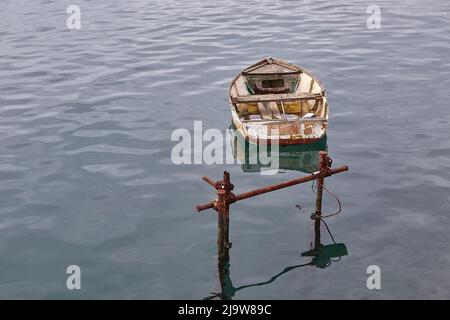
x=323, y=165
x=224, y=199
x=221, y=228
x=227, y=187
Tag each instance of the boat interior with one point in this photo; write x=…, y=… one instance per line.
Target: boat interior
x=274, y=92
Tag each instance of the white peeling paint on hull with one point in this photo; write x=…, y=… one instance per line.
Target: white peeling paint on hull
x=306, y=132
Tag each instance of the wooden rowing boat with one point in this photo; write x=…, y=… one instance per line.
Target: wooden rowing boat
x=274, y=100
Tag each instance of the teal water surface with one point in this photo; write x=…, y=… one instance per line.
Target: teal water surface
x=86, y=175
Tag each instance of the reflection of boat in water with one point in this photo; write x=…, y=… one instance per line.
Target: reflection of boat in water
x=304, y=158
x=322, y=257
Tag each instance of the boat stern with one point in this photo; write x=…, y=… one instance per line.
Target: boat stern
x=290, y=132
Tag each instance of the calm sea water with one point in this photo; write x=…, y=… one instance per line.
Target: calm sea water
x=86, y=176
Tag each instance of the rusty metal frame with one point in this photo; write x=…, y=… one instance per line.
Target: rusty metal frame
x=225, y=197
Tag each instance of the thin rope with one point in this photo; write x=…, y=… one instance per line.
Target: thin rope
x=328, y=229
x=337, y=199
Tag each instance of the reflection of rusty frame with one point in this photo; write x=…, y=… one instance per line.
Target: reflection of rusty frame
x=227, y=288
x=225, y=197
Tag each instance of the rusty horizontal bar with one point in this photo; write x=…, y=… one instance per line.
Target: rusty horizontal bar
x=274, y=187
x=210, y=181
x=205, y=206
x=286, y=184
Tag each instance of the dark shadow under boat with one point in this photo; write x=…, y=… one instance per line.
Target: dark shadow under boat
x=302, y=158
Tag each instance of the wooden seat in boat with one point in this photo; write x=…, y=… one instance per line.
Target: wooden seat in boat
x=264, y=111
x=274, y=108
